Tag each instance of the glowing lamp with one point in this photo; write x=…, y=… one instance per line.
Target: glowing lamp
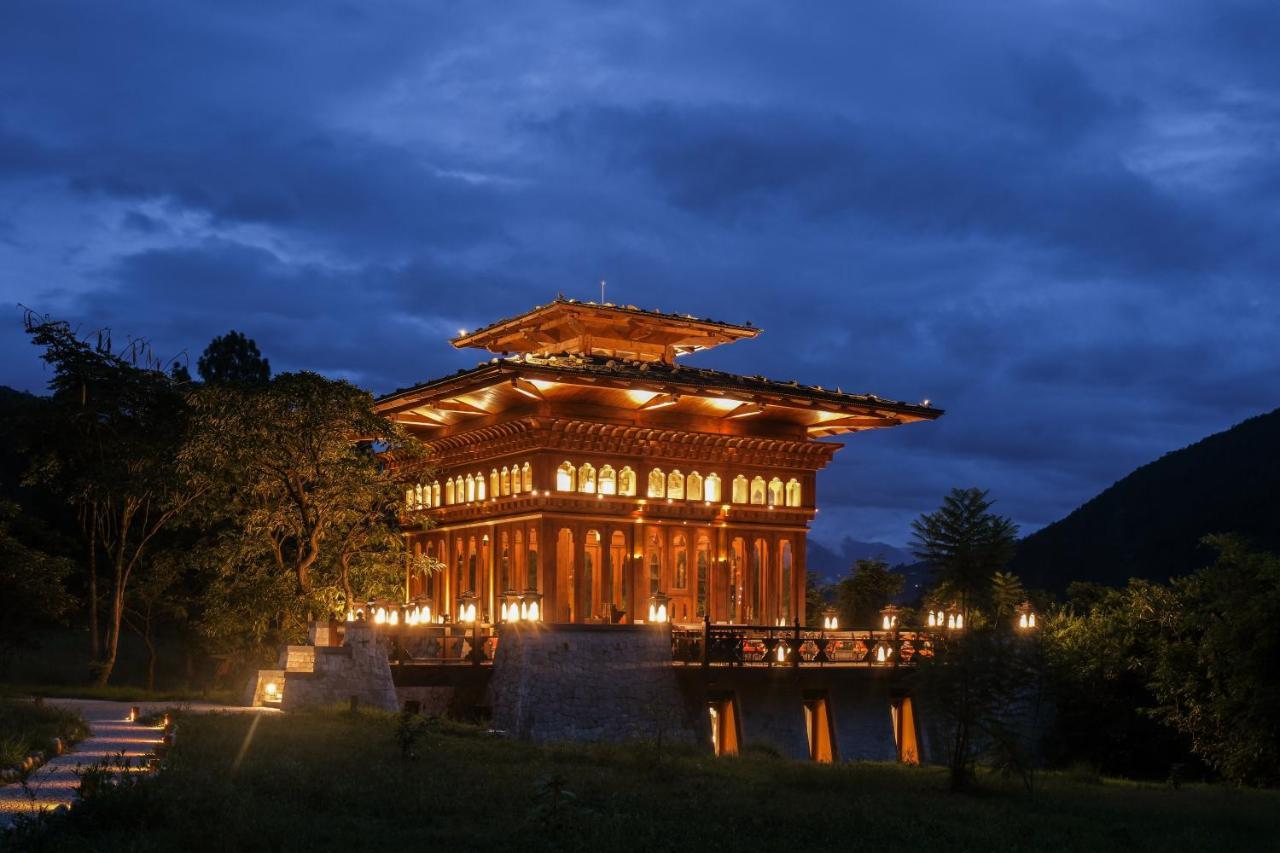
x=830, y=619
x=467, y=607
x=659, y=608
x=884, y=651
x=509, y=606
x=889, y=618
x=380, y=616
x=1026, y=617
x=531, y=605
x=271, y=692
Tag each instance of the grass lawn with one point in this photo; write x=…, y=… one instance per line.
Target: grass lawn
x=338, y=781
x=26, y=727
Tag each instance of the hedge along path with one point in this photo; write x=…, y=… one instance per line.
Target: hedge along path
x=111, y=733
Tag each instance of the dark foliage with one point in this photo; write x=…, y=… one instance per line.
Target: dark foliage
x=233, y=359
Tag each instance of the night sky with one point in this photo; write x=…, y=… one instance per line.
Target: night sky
x=1056, y=220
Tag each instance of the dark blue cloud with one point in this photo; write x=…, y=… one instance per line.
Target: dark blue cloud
x=1054, y=221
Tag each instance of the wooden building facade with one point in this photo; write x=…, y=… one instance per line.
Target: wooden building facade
x=585, y=462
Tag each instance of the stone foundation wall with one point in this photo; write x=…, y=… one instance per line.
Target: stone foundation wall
x=590, y=683
x=331, y=675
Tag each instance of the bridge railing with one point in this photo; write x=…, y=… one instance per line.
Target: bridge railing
x=772, y=646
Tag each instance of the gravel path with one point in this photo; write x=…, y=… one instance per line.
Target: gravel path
x=111, y=733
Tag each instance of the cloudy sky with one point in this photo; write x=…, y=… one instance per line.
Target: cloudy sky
x=1058, y=220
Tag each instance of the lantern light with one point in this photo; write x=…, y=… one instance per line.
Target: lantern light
x=830, y=619
x=1026, y=616
x=889, y=618
x=467, y=607
x=530, y=606
x=659, y=608
x=380, y=616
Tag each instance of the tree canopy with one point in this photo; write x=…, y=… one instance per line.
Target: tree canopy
x=965, y=543
x=233, y=359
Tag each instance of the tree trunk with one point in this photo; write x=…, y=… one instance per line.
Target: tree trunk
x=117, y=616
x=91, y=562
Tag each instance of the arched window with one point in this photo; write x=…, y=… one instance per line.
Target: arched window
x=739, y=489
x=680, y=561
x=775, y=492
x=608, y=480
x=448, y=492
x=712, y=490
x=435, y=493
x=504, y=565
x=426, y=494
x=703, y=560
x=657, y=484
x=494, y=488
x=417, y=496
x=787, y=561
x=408, y=498
x=565, y=477
x=480, y=487
x=506, y=481
x=757, y=490
x=587, y=478
x=526, y=477
x=471, y=488
x=627, y=482
x=653, y=557
x=459, y=490
x=693, y=486
x=675, y=485
x=793, y=492
x=531, y=566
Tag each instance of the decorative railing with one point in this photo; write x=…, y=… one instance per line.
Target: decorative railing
x=765, y=646
x=454, y=644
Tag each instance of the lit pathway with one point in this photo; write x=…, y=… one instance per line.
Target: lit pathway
x=111, y=733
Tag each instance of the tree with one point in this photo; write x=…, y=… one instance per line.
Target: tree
x=1217, y=667
x=815, y=600
x=983, y=688
x=111, y=449
x=233, y=359
x=869, y=587
x=311, y=483
x=32, y=587
x=965, y=543
x=1007, y=593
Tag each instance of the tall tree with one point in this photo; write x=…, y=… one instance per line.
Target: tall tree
x=1007, y=593
x=867, y=589
x=111, y=449
x=965, y=543
x=32, y=587
x=233, y=359
x=311, y=478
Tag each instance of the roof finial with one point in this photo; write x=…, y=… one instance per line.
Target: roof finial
x=602, y=282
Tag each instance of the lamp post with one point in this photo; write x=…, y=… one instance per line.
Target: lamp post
x=889, y=618
x=1026, y=617
x=830, y=619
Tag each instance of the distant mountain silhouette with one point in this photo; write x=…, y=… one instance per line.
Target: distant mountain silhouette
x=830, y=565
x=1149, y=524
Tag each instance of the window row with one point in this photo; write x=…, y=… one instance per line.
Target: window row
x=676, y=485
x=504, y=481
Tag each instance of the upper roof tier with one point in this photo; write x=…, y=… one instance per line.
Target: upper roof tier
x=567, y=326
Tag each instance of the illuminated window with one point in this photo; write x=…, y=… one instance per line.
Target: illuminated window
x=793, y=492
x=739, y=489
x=435, y=493
x=587, y=478
x=479, y=487
x=627, y=482
x=675, y=485
x=712, y=490
x=448, y=492
x=775, y=492
x=565, y=476
x=757, y=490
x=494, y=488
x=408, y=499
x=654, y=559
x=471, y=488
x=417, y=493
x=657, y=484
x=693, y=486
x=526, y=477
x=506, y=481
x=459, y=490
x=608, y=482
